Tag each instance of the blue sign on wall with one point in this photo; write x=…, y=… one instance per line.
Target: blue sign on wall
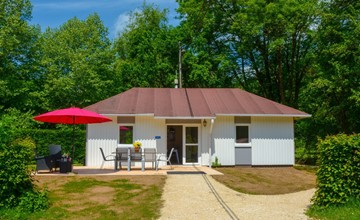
x=157, y=137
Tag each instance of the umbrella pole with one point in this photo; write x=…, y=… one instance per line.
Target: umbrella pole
x=73, y=139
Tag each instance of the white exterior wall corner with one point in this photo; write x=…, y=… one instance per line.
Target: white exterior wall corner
x=223, y=135
x=272, y=140
x=103, y=135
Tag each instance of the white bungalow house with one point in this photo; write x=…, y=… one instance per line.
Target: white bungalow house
x=237, y=127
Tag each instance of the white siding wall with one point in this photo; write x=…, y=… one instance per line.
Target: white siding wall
x=224, y=140
x=106, y=136
x=146, y=128
x=205, y=143
x=272, y=141
x=103, y=135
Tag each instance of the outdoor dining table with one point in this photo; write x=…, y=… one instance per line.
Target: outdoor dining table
x=143, y=155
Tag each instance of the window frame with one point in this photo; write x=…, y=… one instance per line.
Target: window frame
x=248, y=144
x=118, y=139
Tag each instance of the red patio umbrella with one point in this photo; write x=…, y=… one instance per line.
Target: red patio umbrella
x=72, y=116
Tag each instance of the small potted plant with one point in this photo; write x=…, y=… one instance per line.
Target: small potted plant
x=137, y=146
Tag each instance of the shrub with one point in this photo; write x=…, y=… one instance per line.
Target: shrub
x=216, y=163
x=32, y=201
x=339, y=170
x=15, y=153
x=304, y=153
x=62, y=136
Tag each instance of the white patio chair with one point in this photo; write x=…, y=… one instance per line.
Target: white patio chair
x=163, y=158
x=107, y=158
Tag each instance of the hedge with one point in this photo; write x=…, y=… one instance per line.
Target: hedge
x=63, y=136
x=339, y=170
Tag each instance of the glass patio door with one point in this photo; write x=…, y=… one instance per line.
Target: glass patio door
x=191, y=144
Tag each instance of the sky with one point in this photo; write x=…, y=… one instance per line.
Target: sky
x=113, y=13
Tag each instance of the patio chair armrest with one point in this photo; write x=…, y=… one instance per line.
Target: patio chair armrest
x=161, y=156
x=39, y=157
x=111, y=156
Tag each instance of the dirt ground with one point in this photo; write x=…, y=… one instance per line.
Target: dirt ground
x=53, y=182
x=266, y=180
x=102, y=197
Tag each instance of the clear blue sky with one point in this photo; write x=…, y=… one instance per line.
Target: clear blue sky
x=113, y=13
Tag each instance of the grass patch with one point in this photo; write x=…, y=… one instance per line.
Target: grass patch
x=101, y=197
x=348, y=211
x=310, y=169
x=266, y=181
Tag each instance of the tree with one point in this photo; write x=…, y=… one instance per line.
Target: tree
x=263, y=46
x=147, y=51
x=333, y=94
x=18, y=54
x=76, y=64
x=18, y=190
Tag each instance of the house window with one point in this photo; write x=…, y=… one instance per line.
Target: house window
x=126, y=134
x=242, y=134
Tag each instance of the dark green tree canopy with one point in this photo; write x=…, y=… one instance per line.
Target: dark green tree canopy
x=146, y=51
x=18, y=53
x=76, y=63
x=262, y=46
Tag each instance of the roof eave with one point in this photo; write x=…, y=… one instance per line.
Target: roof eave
x=184, y=117
x=269, y=115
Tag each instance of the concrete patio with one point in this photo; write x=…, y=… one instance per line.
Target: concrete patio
x=91, y=171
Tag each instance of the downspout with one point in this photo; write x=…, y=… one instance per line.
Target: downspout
x=211, y=140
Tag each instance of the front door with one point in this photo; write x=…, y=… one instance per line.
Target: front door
x=191, y=147
x=174, y=140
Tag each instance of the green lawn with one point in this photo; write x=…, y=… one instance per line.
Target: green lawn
x=101, y=197
x=349, y=211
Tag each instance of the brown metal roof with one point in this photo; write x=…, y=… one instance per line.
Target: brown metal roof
x=190, y=103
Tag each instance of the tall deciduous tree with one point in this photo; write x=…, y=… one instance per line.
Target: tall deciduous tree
x=247, y=40
x=18, y=54
x=77, y=64
x=147, y=50
x=333, y=95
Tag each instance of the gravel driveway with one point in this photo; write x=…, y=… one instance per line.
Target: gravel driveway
x=201, y=197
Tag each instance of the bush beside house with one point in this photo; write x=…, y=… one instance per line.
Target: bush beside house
x=62, y=136
x=339, y=171
x=16, y=184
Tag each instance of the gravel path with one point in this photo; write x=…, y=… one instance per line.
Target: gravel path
x=201, y=197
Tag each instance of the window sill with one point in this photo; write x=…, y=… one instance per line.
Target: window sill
x=243, y=145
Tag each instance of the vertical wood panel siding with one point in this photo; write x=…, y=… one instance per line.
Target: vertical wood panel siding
x=224, y=140
x=100, y=135
x=146, y=128
x=205, y=143
x=272, y=141
x=106, y=136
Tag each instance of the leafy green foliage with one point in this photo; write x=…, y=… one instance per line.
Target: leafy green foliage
x=18, y=57
x=216, y=163
x=339, y=171
x=348, y=211
x=262, y=46
x=306, y=153
x=76, y=63
x=332, y=94
x=62, y=136
x=146, y=51
x=15, y=178
x=16, y=152
x=33, y=201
